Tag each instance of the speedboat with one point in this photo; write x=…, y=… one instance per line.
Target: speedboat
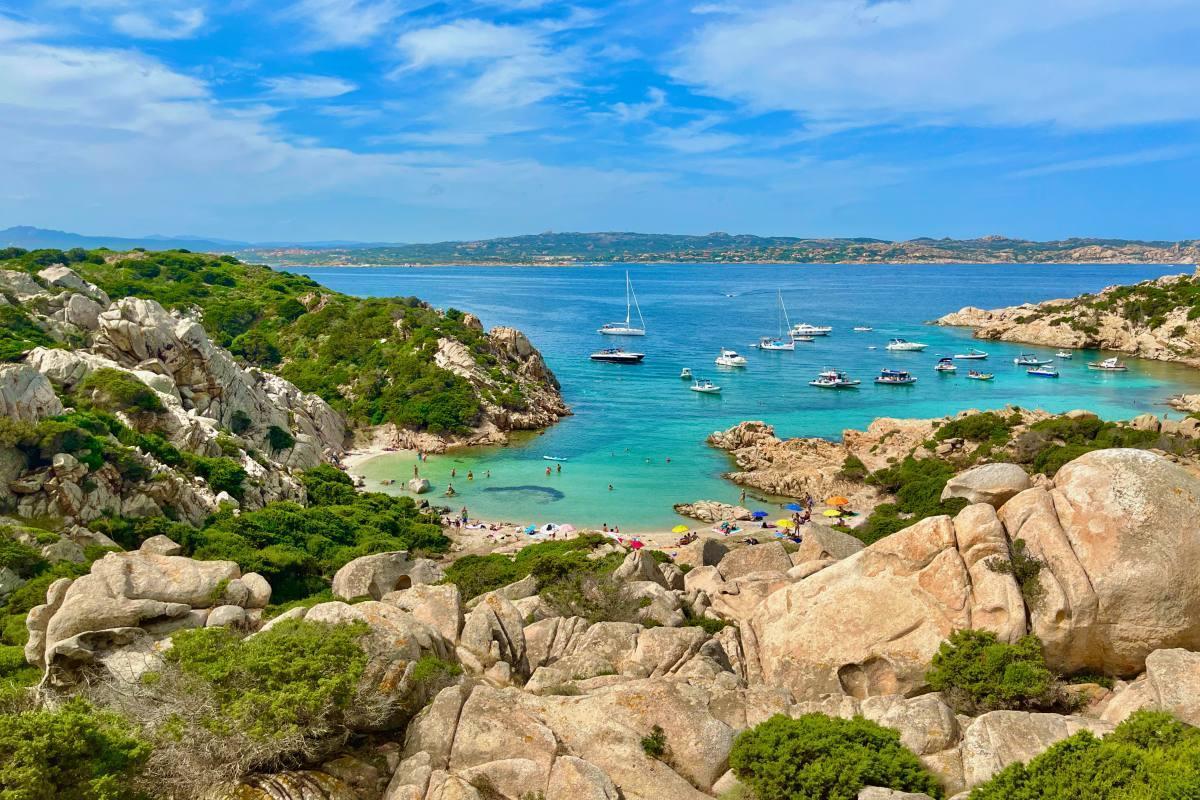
x=804, y=329
x=976, y=375
x=863, y=329
x=802, y=338
x=685, y=374
x=626, y=328
x=834, y=379
x=895, y=377
x=945, y=365
x=1108, y=365
x=1044, y=371
x=1064, y=354
x=615, y=355
x=771, y=343
x=971, y=355
x=905, y=346
x=1030, y=360
x=705, y=386
x=730, y=358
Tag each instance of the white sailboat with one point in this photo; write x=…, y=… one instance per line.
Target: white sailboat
x=626, y=328
x=783, y=341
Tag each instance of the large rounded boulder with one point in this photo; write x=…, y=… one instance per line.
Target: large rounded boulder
x=1121, y=546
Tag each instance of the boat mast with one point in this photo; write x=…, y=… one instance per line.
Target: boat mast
x=787, y=323
x=629, y=293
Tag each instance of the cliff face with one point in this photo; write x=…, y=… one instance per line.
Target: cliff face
x=1154, y=319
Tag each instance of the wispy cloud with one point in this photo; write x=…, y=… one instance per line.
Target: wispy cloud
x=1132, y=159
x=308, y=87
x=334, y=24
x=165, y=24
x=871, y=62
x=636, y=112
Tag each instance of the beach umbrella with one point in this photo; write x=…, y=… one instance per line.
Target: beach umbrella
x=833, y=512
x=794, y=507
x=531, y=529
x=784, y=523
x=837, y=500
x=567, y=529
x=680, y=529
x=636, y=545
x=758, y=514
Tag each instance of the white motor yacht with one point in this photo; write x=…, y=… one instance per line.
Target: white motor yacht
x=834, y=379
x=905, y=346
x=971, y=355
x=1108, y=365
x=730, y=358
x=685, y=374
x=804, y=329
x=705, y=386
x=615, y=355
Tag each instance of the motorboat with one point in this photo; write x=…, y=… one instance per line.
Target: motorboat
x=971, y=355
x=945, y=365
x=895, y=377
x=730, y=358
x=1030, y=360
x=802, y=338
x=863, y=329
x=976, y=375
x=905, y=346
x=804, y=329
x=705, y=386
x=685, y=374
x=1108, y=365
x=834, y=379
x=1066, y=355
x=1044, y=371
x=553, y=458
x=626, y=328
x=782, y=340
x=615, y=355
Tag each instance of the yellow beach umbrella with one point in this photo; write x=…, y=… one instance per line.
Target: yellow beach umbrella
x=680, y=529
x=784, y=523
x=837, y=500
x=833, y=512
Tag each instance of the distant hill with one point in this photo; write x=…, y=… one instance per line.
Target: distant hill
x=619, y=247
x=577, y=248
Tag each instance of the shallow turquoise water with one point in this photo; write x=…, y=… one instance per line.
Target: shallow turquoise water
x=629, y=419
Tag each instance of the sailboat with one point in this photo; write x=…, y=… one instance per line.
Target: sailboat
x=626, y=328
x=783, y=341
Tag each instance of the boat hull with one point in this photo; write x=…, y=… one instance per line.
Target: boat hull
x=625, y=358
x=621, y=331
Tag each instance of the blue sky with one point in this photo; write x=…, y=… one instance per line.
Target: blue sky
x=400, y=120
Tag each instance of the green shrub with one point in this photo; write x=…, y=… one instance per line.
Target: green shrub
x=1149, y=756
x=19, y=334
x=328, y=486
x=474, y=575
x=853, y=469
x=279, y=439
x=987, y=426
x=654, y=744
x=115, y=390
x=1025, y=569
x=816, y=756
x=239, y=422
x=979, y=673
x=299, y=676
x=72, y=753
x=918, y=485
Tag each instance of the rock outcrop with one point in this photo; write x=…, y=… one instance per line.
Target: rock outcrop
x=376, y=575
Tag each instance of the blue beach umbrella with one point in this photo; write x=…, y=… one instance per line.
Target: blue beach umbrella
x=531, y=529
x=759, y=514
x=794, y=507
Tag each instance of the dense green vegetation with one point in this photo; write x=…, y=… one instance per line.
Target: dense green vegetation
x=298, y=548
x=546, y=561
x=917, y=485
x=825, y=758
x=115, y=390
x=979, y=673
x=371, y=358
x=19, y=334
x=1150, y=756
x=72, y=753
x=1051, y=443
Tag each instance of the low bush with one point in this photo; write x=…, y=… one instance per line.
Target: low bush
x=979, y=673
x=72, y=753
x=654, y=744
x=1026, y=571
x=815, y=756
x=987, y=426
x=115, y=390
x=547, y=561
x=917, y=485
x=1150, y=755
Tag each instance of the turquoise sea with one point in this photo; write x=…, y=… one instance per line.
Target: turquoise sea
x=630, y=419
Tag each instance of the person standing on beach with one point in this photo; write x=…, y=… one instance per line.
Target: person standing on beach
x=742, y=498
x=464, y=515
x=416, y=471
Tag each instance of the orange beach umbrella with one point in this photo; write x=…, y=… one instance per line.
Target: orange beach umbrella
x=837, y=500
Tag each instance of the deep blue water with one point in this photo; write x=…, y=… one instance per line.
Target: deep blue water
x=630, y=419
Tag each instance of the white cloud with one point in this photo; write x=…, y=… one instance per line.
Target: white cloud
x=1151, y=155
x=308, y=87
x=1074, y=63
x=636, y=112
x=166, y=24
x=344, y=23
x=697, y=136
x=506, y=66
x=12, y=29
